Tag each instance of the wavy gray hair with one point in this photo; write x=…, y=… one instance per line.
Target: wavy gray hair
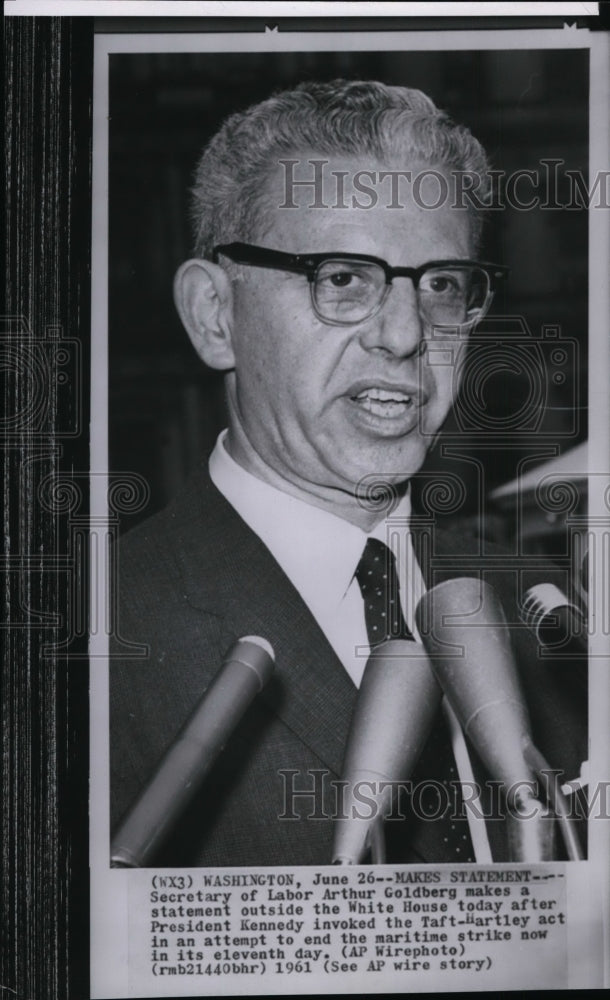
x=340, y=117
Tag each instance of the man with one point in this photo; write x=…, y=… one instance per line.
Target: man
x=335, y=273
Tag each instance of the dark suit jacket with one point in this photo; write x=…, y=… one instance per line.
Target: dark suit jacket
x=194, y=578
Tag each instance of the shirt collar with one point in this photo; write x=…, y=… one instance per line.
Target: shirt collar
x=318, y=550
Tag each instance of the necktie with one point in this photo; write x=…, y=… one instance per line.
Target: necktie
x=437, y=830
x=376, y=574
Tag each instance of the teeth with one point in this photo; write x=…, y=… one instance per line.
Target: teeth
x=384, y=396
x=384, y=402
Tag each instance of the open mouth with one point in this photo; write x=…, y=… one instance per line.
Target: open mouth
x=386, y=402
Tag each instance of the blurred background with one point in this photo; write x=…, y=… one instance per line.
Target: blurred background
x=524, y=398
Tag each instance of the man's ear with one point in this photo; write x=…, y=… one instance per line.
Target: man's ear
x=202, y=294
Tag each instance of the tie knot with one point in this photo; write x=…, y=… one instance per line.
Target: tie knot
x=376, y=575
x=376, y=563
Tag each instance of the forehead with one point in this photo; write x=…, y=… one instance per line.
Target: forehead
x=317, y=203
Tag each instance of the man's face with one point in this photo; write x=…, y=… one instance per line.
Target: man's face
x=324, y=406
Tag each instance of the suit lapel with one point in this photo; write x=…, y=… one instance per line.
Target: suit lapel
x=228, y=571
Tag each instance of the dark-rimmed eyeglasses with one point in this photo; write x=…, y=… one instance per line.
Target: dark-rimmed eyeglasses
x=348, y=288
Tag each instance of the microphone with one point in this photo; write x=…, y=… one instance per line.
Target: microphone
x=558, y=623
x=464, y=631
x=246, y=668
x=397, y=701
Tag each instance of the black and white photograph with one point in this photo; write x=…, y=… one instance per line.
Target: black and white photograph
x=345, y=568
x=316, y=484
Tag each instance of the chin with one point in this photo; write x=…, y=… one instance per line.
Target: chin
x=390, y=466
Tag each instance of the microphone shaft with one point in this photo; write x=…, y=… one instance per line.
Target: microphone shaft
x=245, y=670
x=464, y=631
x=397, y=702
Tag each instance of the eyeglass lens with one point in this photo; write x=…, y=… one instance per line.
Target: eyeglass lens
x=346, y=291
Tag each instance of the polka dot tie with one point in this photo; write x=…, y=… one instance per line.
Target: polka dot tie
x=438, y=829
x=376, y=574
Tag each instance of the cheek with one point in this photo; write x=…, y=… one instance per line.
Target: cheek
x=283, y=354
x=267, y=372
x=441, y=384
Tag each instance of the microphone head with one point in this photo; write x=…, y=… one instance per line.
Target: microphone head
x=463, y=628
x=256, y=653
x=557, y=622
x=398, y=696
x=259, y=641
x=540, y=601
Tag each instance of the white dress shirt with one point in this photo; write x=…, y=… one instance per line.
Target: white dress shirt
x=319, y=552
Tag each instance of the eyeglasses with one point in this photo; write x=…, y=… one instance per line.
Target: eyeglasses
x=348, y=288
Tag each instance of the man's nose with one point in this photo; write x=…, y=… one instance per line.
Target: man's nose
x=397, y=328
